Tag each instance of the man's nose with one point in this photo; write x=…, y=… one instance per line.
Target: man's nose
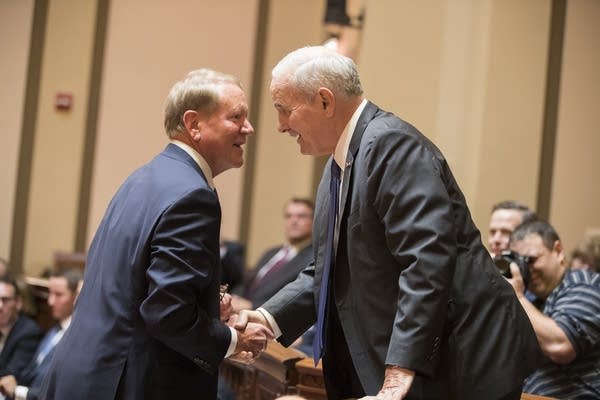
x=247, y=129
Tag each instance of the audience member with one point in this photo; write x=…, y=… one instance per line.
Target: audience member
x=506, y=216
x=587, y=254
x=232, y=264
x=281, y=265
x=568, y=325
x=62, y=292
x=19, y=334
x=147, y=322
x=405, y=295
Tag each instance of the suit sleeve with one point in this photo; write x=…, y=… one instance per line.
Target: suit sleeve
x=406, y=187
x=23, y=349
x=293, y=306
x=181, y=307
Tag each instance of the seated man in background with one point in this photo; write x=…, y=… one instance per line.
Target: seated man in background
x=568, y=326
x=62, y=292
x=281, y=265
x=506, y=216
x=19, y=334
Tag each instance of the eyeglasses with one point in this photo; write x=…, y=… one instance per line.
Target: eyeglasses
x=6, y=299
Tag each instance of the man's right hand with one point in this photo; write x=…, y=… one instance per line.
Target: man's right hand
x=247, y=316
x=252, y=338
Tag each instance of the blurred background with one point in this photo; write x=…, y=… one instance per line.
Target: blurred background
x=508, y=89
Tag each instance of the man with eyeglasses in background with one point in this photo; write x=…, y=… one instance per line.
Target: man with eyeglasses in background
x=19, y=334
x=567, y=325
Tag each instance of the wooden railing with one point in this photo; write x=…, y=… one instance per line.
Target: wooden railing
x=280, y=371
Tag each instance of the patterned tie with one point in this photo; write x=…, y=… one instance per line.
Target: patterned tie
x=328, y=262
x=260, y=279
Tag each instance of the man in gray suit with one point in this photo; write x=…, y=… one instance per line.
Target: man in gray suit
x=413, y=306
x=147, y=321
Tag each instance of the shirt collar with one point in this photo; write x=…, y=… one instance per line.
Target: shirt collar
x=64, y=324
x=343, y=145
x=198, y=159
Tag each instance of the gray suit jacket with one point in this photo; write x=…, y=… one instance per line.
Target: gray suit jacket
x=410, y=262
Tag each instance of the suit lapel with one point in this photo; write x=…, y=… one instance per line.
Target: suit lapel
x=366, y=116
x=177, y=153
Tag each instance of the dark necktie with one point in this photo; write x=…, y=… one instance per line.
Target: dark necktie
x=259, y=280
x=328, y=262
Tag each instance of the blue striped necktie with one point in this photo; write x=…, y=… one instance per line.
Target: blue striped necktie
x=328, y=262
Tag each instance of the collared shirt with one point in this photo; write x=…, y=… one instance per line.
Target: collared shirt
x=21, y=391
x=575, y=307
x=199, y=160
x=209, y=179
x=340, y=154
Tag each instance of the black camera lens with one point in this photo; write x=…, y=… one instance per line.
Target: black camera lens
x=503, y=266
x=504, y=259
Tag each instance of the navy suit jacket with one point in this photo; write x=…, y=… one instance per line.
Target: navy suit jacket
x=146, y=324
x=20, y=344
x=34, y=374
x=413, y=284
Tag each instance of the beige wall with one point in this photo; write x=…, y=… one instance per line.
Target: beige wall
x=470, y=74
x=280, y=171
x=575, y=188
x=15, y=31
x=59, y=135
x=149, y=46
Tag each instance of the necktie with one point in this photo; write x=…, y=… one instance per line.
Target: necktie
x=48, y=343
x=328, y=262
x=260, y=278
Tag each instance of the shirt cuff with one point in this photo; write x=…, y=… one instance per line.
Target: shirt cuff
x=233, y=343
x=21, y=392
x=271, y=321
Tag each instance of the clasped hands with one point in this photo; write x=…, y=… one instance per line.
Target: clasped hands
x=252, y=336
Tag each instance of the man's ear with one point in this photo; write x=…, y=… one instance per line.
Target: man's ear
x=558, y=248
x=327, y=100
x=191, y=121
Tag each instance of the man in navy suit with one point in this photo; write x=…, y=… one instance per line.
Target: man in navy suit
x=407, y=300
x=19, y=334
x=147, y=324
x=62, y=292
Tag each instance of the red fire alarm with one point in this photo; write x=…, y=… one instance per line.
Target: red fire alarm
x=63, y=101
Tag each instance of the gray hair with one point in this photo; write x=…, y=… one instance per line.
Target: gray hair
x=309, y=68
x=199, y=91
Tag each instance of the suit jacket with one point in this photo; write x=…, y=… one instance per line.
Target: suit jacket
x=146, y=324
x=232, y=264
x=278, y=279
x=20, y=344
x=414, y=286
x=34, y=374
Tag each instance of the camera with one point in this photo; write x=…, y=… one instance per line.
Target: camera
x=503, y=261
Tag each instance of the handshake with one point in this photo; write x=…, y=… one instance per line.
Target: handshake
x=253, y=331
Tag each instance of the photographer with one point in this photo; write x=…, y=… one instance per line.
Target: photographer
x=568, y=325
